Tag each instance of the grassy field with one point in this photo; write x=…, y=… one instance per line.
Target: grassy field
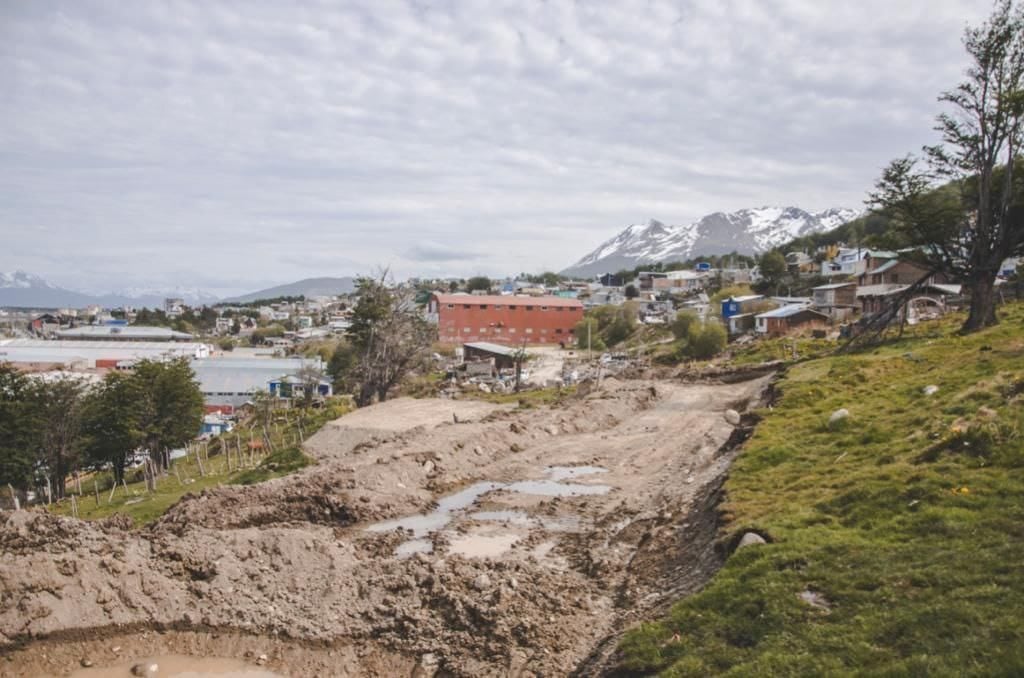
x=903, y=524
x=143, y=506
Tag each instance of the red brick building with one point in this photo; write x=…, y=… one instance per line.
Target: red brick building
x=504, y=319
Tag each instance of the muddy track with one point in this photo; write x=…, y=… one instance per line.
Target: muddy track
x=520, y=542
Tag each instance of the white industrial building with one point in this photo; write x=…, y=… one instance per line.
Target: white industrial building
x=40, y=354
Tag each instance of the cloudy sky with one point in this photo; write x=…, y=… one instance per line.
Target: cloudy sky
x=225, y=145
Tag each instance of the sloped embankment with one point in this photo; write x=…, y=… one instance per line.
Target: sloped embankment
x=896, y=533
x=521, y=539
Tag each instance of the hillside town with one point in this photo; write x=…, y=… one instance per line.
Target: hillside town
x=523, y=340
x=238, y=350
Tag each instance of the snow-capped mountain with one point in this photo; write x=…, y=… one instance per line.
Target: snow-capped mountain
x=747, y=231
x=21, y=289
x=22, y=280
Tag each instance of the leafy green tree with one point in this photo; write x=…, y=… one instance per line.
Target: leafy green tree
x=631, y=291
x=111, y=422
x=171, y=407
x=340, y=365
x=773, y=267
x=478, y=283
x=18, y=431
x=619, y=330
x=57, y=409
x=968, y=235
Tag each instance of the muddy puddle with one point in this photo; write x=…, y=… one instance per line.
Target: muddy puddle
x=178, y=666
x=488, y=542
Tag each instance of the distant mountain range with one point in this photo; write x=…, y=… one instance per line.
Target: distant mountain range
x=21, y=289
x=748, y=231
x=310, y=287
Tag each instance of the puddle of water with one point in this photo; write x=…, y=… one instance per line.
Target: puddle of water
x=551, y=488
x=421, y=526
x=509, y=516
x=482, y=546
x=181, y=666
x=557, y=473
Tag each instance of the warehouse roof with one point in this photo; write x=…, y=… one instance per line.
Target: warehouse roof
x=124, y=332
x=234, y=376
x=43, y=351
x=487, y=346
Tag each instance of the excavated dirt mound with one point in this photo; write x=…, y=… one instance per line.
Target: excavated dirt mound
x=432, y=537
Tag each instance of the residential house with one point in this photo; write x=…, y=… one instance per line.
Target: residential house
x=744, y=304
x=645, y=280
x=837, y=300
x=738, y=276
x=174, y=306
x=782, y=320
x=876, y=298
x=896, y=272
x=799, y=262
x=738, y=312
x=687, y=281
x=609, y=296
x=462, y=318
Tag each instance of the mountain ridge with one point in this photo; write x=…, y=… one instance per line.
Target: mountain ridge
x=745, y=231
x=20, y=289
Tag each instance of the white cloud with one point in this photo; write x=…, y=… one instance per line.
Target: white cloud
x=226, y=141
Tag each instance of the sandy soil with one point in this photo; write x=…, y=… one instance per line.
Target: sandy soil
x=521, y=542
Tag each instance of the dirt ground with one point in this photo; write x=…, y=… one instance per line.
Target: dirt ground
x=433, y=537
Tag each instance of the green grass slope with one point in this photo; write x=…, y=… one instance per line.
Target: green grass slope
x=903, y=525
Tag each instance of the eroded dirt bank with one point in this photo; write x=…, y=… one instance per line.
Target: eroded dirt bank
x=545, y=532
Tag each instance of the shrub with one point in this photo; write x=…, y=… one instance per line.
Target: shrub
x=681, y=325
x=707, y=340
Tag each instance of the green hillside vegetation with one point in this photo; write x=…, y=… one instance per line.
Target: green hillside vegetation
x=902, y=524
x=190, y=476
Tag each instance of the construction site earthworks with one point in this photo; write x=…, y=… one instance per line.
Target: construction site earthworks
x=431, y=537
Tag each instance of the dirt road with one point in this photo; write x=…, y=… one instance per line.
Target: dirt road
x=431, y=536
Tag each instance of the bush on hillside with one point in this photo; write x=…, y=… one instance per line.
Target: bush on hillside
x=707, y=340
x=681, y=325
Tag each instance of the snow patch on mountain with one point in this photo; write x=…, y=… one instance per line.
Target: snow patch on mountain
x=747, y=231
x=22, y=280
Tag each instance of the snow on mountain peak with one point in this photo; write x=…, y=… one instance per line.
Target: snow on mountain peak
x=22, y=280
x=747, y=231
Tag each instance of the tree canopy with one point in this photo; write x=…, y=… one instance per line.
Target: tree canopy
x=968, y=229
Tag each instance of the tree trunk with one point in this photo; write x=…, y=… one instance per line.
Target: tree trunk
x=57, y=485
x=981, y=287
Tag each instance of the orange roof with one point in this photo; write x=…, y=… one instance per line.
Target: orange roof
x=507, y=300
